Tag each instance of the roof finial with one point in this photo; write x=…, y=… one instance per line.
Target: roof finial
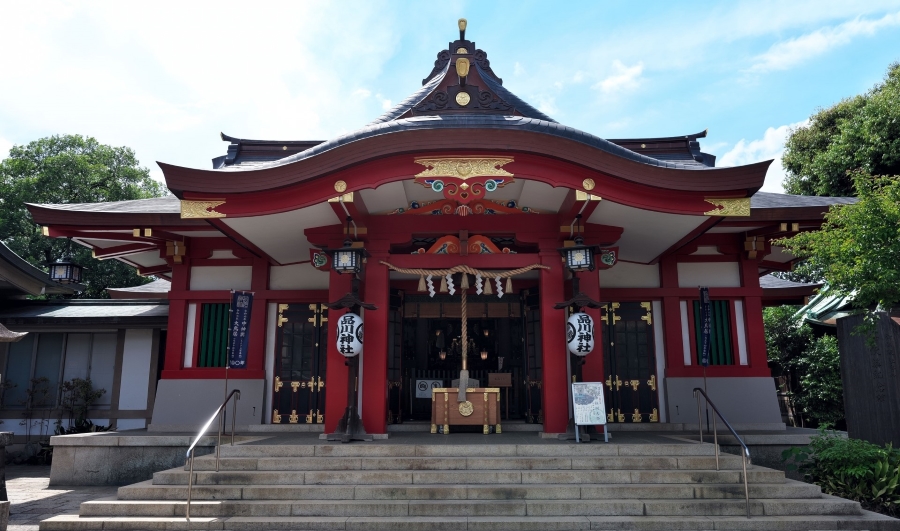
x=462, y=29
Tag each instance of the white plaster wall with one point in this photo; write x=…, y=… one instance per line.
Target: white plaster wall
x=659, y=347
x=741, y=326
x=103, y=365
x=271, y=331
x=189, y=335
x=135, y=370
x=712, y=274
x=297, y=276
x=628, y=275
x=685, y=338
x=130, y=424
x=228, y=277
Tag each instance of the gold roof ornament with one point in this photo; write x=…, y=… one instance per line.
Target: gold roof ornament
x=200, y=209
x=739, y=206
x=462, y=67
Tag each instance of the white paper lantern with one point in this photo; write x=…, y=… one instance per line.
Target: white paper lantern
x=350, y=334
x=580, y=334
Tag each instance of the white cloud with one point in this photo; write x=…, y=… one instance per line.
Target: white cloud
x=385, y=102
x=518, y=69
x=786, y=54
x=624, y=78
x=5, y=146
x=770, y=146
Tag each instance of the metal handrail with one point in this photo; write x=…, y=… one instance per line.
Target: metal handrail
x=190, y=452
x=745, y=456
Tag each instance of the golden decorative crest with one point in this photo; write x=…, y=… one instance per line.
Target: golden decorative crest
x=588, y=184
x=340, y=187
x=200, y=209
x=466, y=409
x=729, y=207
x=463, y=98
x=464, y=167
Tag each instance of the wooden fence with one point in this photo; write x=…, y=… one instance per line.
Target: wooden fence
x=871, y=379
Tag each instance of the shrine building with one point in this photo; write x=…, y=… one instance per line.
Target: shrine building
x=462, y=174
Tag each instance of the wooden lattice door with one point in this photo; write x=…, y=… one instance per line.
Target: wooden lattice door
x=629, y=362
x=300, y=361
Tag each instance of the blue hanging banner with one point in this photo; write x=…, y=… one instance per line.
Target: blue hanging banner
x=705, y=324
x=238, y=329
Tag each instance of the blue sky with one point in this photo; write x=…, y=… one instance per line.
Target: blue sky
x=164, y=78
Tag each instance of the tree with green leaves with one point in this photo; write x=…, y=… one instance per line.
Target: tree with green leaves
x=858, y=247
x=810, y=367
x=859, y=134
x=69, y=169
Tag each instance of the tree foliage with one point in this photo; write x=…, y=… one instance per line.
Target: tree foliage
x=69, y=169
x=859, y=134
x=858, y=246
x=811, y=366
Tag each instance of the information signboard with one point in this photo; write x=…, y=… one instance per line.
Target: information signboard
x=589, y=406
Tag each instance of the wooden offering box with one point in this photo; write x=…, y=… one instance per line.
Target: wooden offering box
x=481, y=407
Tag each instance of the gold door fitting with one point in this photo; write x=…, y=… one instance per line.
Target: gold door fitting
x=319, y=417
x=276, y=418
x=320, y=384
x=309, y=418
x=294, y=418
x=295, y=385
x=278, y=385
x=620, y=415
x=637, y=416
x=652, y=382
x=648, y=317
x=635, y=384
x=654, y=417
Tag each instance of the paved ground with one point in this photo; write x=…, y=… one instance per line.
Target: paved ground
x=31, y=500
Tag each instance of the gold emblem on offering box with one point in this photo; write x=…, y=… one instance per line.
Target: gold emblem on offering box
x=466, y=409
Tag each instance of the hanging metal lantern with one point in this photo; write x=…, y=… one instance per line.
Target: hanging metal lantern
x=350, y=334
x=348, y=259
x=579, y=257
x=65, y=271
x=580, y=334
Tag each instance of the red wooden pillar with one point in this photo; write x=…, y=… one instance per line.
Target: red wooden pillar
x=336, y=370
x=553, y=341
x=753, y=314
x=592, y=371
x=668, y=278
x=177, y=327
x=375, y=355
x=256, y=346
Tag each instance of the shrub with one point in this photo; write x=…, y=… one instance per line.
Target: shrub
x=851, y=468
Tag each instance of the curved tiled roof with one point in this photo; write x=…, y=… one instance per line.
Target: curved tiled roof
x=480, y=121
x=157, y=205
x=773, y=200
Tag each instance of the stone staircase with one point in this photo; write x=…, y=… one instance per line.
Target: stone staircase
x=546, y=486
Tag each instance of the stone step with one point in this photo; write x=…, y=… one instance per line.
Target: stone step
x=618, y=507
x=549, y=449
x=789, y=489
x=208, y=463
x=866, y=521
x=398, y=477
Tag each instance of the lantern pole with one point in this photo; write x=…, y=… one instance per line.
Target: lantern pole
x=350, y=427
